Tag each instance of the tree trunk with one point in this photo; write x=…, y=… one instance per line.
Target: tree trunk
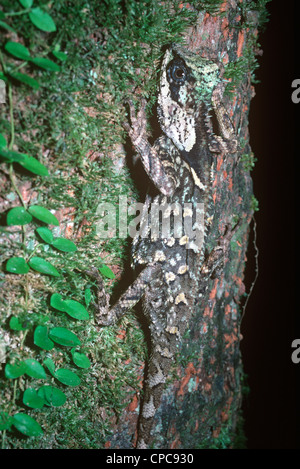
x=201, y=406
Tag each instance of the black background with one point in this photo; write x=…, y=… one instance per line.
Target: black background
x=270, y=324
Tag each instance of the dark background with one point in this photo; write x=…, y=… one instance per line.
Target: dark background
x=269, y=326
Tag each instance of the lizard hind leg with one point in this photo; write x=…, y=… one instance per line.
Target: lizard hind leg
x=105, y=314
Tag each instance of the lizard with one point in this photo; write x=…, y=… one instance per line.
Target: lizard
x=180, y=164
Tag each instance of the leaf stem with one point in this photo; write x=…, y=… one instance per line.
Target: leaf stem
x=2, y=62
x=3, y=439
x=34, y=251
x=23, y=340
x=9, y=411
x=15, y=69
x=13, y=183
x=18, y=13
x=11, y=115
x=11, y=144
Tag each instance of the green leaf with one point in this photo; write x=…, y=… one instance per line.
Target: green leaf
x=26, y=79
x=17, y=265
x=87, y=296
x=81, y=360
x=67, y=377
x=26, y=3
x=18, y=216
x=76, y=310
x=52, y=396
x=15, y=324
x=43, y=214
x=28, y=162
x=60, y=55
x=41, y=339
x=45, y=234
x=32, y=399
x=42, y=20
x=34, y=369
x=44, y=267
x=34, y=166
x=26, y=425
x=15, y=371
x=12, y=156
x=17, y=50
x=46, y=64
x=57, y=302
x=71, y=307
x=64, y=336
x=64, y=244
x=50, y=365
x=106, y=271
x=3, y=142
x=5, y=421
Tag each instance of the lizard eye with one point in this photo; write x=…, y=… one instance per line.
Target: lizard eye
x=177, y=73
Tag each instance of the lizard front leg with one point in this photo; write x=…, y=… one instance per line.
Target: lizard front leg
x=107, y=315
x=226, y=142
x=160, y=175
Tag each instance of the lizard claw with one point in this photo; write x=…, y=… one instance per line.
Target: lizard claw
x=102, y=315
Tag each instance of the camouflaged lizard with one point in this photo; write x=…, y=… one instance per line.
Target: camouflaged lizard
x=180, y=164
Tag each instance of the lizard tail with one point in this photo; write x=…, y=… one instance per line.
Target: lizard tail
x=159, y=366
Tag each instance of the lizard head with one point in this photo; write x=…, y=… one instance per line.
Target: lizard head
x=187, y=81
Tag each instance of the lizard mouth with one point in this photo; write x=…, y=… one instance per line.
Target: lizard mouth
x=214, y=124
x=172, y=109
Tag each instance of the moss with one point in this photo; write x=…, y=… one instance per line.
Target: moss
x=248, y=160
x=210, y=6
x=254, y=204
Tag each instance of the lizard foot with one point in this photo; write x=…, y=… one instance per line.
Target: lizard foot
x=103, y=315
x=214, y=264
x=137, y=131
